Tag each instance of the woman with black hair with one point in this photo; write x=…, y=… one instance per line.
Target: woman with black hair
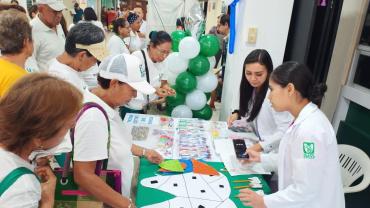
x=180, y=23
x=308, y=166
x=136, y=40
x=255, y=111
x=90, y=16
x=116, y=43
x=152, y=58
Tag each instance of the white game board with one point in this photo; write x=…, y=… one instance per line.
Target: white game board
x=192, y=191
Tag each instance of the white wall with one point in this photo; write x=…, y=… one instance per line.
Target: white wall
x=213, y=11
x=272, y=19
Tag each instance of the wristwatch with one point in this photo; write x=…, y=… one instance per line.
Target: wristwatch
x=237, y=111
x=130, y=205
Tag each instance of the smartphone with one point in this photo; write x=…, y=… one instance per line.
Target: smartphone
x=240, y=148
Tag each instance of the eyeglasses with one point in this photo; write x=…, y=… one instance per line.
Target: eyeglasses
x=163, y=52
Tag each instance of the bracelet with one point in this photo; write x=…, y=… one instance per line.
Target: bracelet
x=235, y=111
x=130, y=205
x=144, y=151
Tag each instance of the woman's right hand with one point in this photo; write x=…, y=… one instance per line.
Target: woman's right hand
x=254, y=156
x=232, y=118
x=48, y=183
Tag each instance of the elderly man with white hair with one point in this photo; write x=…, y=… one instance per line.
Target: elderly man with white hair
x=49, y=38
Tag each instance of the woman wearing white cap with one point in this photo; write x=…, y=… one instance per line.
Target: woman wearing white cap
x=119, y=78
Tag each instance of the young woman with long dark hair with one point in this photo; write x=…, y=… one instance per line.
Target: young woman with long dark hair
x=254, y=108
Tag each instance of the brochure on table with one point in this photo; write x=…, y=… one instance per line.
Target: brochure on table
x=177, y=138
x=184, y=138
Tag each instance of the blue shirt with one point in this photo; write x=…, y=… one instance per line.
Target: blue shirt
x=78, y=16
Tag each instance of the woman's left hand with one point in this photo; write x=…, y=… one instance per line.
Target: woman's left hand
x=251, y=198
x=153, y=156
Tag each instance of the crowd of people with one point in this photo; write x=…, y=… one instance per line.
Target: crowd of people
x=51, y=74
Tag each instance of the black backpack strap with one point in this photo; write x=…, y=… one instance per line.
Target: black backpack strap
x=147, y=73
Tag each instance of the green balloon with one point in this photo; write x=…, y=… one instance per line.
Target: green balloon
x=187, y=32
x=175, y=100
x=204, y=113
x=208, y=95
x=178, y=35
x=209, y=45
x=185, y=82
x=175, y=46
x=169, y=110
x=199, y=65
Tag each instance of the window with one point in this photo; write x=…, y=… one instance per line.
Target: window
x=365, y=35
x=362, y=75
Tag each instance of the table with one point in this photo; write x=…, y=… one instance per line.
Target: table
x=146, y=196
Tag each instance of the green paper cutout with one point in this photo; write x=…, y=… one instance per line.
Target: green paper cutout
x=172, y=165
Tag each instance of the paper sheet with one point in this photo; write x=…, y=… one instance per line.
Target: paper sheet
x=176, y=138
x=172, y=165
x=225, y=148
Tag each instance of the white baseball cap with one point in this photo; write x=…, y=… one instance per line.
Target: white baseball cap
x=56, y=5
x=128, y=69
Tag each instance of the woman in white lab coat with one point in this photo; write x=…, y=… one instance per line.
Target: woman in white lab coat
x=255, y=111
x=308, y=166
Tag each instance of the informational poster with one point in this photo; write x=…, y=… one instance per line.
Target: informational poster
x=177, y=138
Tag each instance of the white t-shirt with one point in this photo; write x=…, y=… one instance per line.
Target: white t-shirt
x=143, y=27
x=90, y=76
x=155, y=76
x=91, y=139
x=26, y=190
x=47, y=44
x=67, y=73
x=96, y=23
x=134, y=42
x=116, y=45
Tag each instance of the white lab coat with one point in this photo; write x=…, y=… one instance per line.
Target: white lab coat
x=270, y=126
x=307, y=179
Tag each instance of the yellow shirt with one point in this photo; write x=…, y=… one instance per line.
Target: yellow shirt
x=9, y=74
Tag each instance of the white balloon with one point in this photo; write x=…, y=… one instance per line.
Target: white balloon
x=189, y=48
x=182, y=111
x=212, y=62
x=196, y=100
x=171, y=77
x=176, y=64
x=207, y=82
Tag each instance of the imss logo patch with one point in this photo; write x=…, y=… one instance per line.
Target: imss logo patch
x=308, y=150
x=142, y=70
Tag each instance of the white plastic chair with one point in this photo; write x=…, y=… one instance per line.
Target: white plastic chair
x=354, y=163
